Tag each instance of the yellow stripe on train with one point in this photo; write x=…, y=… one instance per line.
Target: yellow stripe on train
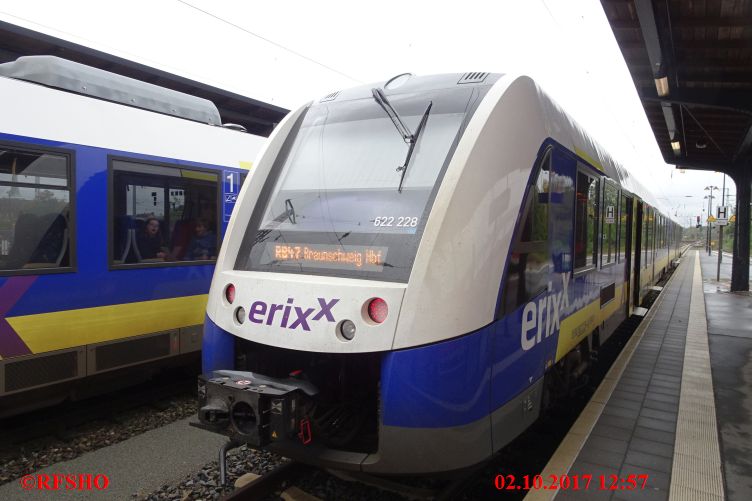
x=65, y=329
x=579, y=325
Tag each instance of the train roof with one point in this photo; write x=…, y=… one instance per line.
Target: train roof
x=78, y=78
x=407, y=83
x=256, y=116
x=566, y=130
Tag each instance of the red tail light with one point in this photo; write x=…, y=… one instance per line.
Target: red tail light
x=377, y=310
x=230, y=293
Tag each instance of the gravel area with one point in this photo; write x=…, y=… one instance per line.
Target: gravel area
x=43, y=452
x=325, y=486
x=204, y=484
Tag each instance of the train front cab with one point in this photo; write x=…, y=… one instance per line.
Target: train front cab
x=565, y=285
x=575, y=256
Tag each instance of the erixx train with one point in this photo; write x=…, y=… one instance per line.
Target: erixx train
x=416, y=270
x=113, y=196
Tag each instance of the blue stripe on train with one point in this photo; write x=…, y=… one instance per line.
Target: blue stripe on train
x=450, y=383
x=458, y=381
x=218, y=351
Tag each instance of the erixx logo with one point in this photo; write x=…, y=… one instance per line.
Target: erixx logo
x=540, y=320
x=263, y=313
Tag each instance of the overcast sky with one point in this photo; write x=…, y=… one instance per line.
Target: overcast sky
x=288, y=52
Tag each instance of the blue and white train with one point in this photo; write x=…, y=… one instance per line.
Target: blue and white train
x=416, y=269
x=103, y=179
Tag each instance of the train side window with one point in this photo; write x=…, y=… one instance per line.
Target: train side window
x=35, y=196
x=162, y=214
x=527, y=274
x=586, y=221
x=661, y=229
x=664, y=233
x=622, y=228
x=610, y=224
x=647, y=240
x=651, y=235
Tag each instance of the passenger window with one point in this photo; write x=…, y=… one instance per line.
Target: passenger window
x=35, y=193
x=527, y=274
x=647, y=234
x=610, y=222
x=622, y=227
x=163, y=214
x=586, y=221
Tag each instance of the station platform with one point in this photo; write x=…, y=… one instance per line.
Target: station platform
x=675, y=409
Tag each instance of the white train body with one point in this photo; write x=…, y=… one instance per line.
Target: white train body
x=325, y=226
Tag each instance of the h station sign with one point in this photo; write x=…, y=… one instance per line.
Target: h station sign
x=723, y=215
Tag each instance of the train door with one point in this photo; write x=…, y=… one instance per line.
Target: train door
x=637, y=254
x=523, y=338
x=626, y=208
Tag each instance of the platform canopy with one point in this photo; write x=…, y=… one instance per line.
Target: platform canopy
x=256, y=116
x=691, y=62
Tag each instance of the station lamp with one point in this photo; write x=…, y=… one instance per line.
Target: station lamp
x=661, y=86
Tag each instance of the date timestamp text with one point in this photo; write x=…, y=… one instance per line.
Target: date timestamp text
x=570, y=482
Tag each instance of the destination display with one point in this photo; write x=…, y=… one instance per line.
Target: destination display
x=347, y=257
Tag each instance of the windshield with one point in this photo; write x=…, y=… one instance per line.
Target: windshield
x=335, y=207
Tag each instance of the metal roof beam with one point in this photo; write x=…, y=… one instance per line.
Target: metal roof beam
x=745, y=146
x=694, y=164
x=711, y=45
x=688, y=22
x=739, y=101
x=649, y=29
x=658, y=63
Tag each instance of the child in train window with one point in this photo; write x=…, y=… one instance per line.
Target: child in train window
x=204, y=242
x=149, y=240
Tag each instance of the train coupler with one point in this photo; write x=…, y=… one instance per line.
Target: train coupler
x=252, y=408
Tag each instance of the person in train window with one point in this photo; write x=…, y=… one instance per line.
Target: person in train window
x=204, y=242
x=149, y=240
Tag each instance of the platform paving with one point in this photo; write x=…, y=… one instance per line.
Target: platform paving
x=729, y=317
x=139, y=465
x=677, y=405
x=635, y=433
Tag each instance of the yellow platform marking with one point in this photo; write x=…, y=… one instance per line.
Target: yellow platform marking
x=245, y=165
x=696, y=469
x=65, y=329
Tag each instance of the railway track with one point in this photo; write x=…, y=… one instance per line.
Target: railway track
x=60, y=419
x=270, y=482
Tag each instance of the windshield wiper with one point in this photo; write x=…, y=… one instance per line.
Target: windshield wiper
x=402, y=129
x=413, y=142
x=380, y=98
x=290, y=211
